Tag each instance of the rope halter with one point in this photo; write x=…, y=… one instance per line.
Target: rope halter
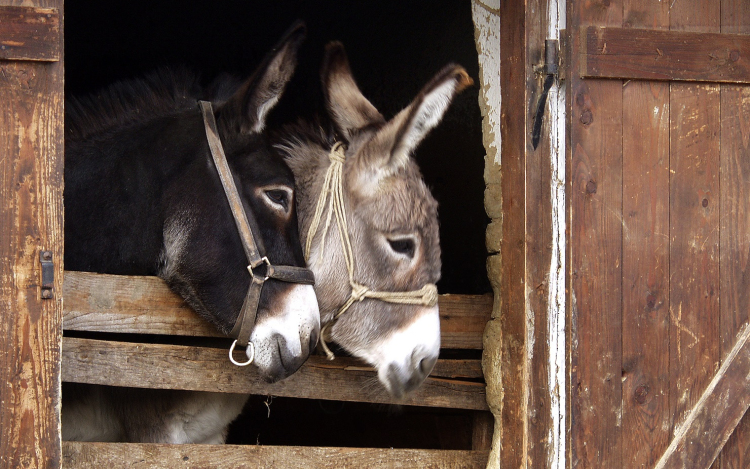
x=332, y=198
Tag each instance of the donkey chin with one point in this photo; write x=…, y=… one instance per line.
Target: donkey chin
x=283, y=342
x=406, y=356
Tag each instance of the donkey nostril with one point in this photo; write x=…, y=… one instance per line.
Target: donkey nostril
x=427, y=364
x=313, y=340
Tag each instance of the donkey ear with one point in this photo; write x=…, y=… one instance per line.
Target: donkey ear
x=260, y=93
x=426, y=111
x=349, y=109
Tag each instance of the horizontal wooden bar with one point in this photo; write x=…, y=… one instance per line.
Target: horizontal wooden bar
x=645, y=54
x=700, y=438
x=136, y=455
x=208, y=369
x=145, y=305
x=28, y=33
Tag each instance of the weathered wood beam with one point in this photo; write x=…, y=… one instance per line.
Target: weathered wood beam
x=648, y=54
x=700, y=438
x=145, y=305
x=98, y=455
x=208, y=369
x=28, y=33
x=31, y=220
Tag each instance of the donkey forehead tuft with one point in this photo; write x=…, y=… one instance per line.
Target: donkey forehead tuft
x=401, y=204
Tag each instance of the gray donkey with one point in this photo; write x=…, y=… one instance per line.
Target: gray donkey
x=376, y=271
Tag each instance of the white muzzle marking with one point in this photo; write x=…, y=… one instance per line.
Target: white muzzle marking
x=404, y=348
x=301, y=321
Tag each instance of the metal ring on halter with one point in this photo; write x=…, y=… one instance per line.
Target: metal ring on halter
x=231, y=351
x=263, y=260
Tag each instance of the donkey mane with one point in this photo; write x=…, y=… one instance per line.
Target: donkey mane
x=304, y=132
x=158, y=94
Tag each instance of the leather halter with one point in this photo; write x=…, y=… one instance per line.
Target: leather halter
x=252, y=245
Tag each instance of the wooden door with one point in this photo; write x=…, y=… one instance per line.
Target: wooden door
x=659, y=206
x=31, y=217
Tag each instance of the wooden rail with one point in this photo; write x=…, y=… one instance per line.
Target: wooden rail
x=98, y=455
x=29, y=33
x=705, y=430
x=208, y=369
x=145, y=305
x=650, y=54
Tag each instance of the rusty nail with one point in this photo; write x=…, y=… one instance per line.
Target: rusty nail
x=705, y=203
x=46, y=294
x=46, y=255
x=734, y=56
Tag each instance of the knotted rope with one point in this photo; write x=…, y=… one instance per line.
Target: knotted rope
x=332, y=197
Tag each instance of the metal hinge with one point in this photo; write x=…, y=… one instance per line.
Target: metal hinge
x=550, y=70
x=48, y=274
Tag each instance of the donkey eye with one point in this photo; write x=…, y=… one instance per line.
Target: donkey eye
x=279, y=197
x=403, y=246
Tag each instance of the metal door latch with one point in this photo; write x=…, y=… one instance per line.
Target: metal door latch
x=550, y=70
x=48, y=274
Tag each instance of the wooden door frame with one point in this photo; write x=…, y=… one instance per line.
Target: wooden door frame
x=31, y=221
x=526, y=342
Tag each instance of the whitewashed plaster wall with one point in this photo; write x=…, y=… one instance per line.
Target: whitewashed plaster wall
x=486, y=15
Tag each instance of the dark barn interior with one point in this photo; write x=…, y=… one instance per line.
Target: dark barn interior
x=394, y=48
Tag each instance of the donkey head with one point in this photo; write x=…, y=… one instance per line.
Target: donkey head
x=203, y=256
x=392, y=225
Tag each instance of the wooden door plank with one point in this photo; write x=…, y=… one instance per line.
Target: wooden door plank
x=694, y=249
x=30, y=33
x=31, y=169
x=596, y=254
x=208, y=369
x=145, y=305
x=645, y=324
x=651, y=54
x=694, y=222
x=735, y=219
x=541, y=319
x=699, y=439
x=508, y=360
x=99, y=455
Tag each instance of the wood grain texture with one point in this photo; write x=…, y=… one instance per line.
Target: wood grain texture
x=700, y=438
x=512, y=366
x=31, y=169
x=596, y=233
x=30, y=33
x=482, y=425
x=538, y=253
x=99, y=455
x=694, y=237
x=145, y=305
x=651, y=54
x=694, y=223
x=208, y=369
x=735, y=219
x=645, y=310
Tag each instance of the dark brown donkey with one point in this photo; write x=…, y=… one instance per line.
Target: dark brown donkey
x=143, y=197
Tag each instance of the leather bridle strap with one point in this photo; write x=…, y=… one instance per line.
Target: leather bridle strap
x=253, y=246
